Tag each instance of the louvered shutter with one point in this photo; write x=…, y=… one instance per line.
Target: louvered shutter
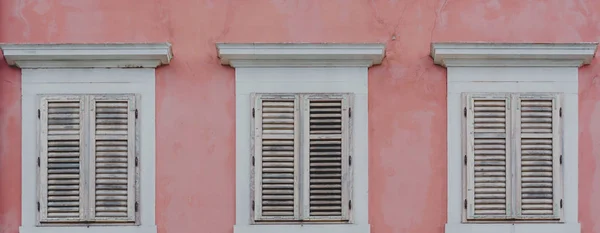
x=275, y=158
x=538, y=156
x=326, y=173
x=487, y=158
x=112, y=165
x=61, y=158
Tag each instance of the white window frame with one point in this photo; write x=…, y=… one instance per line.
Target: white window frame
x=518, y=67
x=87, y=69
x=301, y=68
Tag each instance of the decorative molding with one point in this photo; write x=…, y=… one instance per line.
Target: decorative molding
x=300, y=54
x=120, y=55
x=513, y=54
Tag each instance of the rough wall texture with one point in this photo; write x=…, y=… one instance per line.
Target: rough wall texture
x=195, y=95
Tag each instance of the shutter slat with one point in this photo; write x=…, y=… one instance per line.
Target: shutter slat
x=62, y=145
x=113, y=150
x=488, y=153
x=276, y=154
x=537, y=154
x=326, y=157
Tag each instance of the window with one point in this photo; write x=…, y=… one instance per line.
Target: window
x=302, y=154
x=301, y=136
x=513, y=156
x=88, y=136
x=87, y=170
x=512, y=135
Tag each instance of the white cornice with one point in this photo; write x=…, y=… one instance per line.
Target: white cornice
x=513, y=54
x=124, y=55
x=300, y=54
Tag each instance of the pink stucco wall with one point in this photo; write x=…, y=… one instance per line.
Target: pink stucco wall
x=195, y=95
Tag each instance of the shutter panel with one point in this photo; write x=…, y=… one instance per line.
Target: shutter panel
x=326, y=174
x=488, y=156
x=276, y=151
x=112, y=166
x=538, y=156
x=61, y=148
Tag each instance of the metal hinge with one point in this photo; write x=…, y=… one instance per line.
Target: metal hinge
x=465, y=159
x=349, y=160
x=136, y=114
x=561, y=203
x=252, y=160
x=253, y=112
x=39, y=114
x=349, y=204
x=137, y=162
x=253, y=203
x=560, y=112
x=137, y=206
x=349, y=112
x=38, y=205
x=561, y=159
x=465, y=203
x=38, y=161
x=465, y=111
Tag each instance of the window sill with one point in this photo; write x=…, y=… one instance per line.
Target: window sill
x=322, y=228
x=514, y=228
x=91, y=229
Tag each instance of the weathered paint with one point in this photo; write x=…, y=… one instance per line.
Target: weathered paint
x=195, y=95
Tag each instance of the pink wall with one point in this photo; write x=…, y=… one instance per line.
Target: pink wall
x=195, y=95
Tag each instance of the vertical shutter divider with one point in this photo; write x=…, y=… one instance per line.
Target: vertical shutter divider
x=92, y=158
x=347, y=177
x=254, y=152
x=304, y=186
x=131, y=159
x=43, y=168
x=556, y=154
x=470, y=168
x=258, y=159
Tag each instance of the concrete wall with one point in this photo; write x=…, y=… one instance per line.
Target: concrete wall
x=195, y=95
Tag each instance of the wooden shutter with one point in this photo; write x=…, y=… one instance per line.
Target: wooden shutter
x=112, y=166
x=326, y=184
x=538, y=152
x=487, y=157
x=275, y=158
x=62, y=195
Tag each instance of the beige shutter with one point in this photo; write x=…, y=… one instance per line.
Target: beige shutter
x=487, y=157
x=112, y=165
x=275, y=158
x=326, y=177
x=538, y=148
x=62, y=195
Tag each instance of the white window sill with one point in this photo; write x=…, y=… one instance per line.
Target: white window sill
x=321, y=228
x=91, y=229
x=514, y=228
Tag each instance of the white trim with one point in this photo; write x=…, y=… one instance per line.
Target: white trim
x=94, y=81
x=502, y=77
x=123, y=55
x=513, y=228
x=104, y=229
x=300, y=54
x=513, y=54
x=302, y=80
